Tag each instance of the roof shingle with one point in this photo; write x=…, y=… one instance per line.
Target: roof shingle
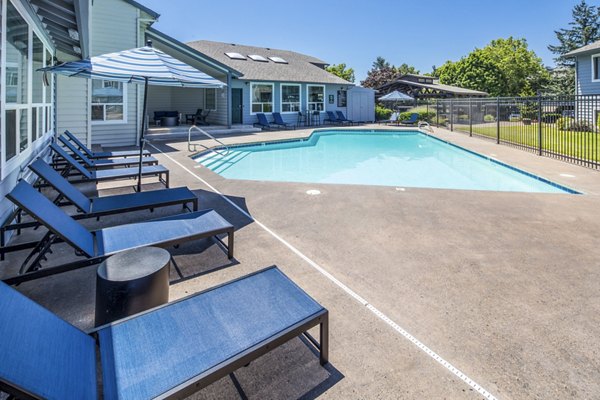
x=299, y=67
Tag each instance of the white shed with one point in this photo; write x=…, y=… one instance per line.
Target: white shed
x=361, y=104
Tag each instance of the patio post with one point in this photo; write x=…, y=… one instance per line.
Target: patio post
x=498, y=120
x=470, y=118
x=229, y=121
x=540, y=125
x=452, y=115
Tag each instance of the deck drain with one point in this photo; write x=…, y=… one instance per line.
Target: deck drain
x=313, y=192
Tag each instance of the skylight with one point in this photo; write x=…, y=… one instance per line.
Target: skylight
x=278, y=60
x=256, y=57
x=235, y=56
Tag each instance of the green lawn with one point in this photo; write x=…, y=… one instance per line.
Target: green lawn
x=583, y=145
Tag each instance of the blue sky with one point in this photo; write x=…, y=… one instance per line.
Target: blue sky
x=420, y=33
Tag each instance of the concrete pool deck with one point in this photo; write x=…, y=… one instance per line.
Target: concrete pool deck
x=504, y=286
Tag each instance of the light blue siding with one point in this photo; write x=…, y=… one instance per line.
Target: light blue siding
x=249, y=118
x=584, y=76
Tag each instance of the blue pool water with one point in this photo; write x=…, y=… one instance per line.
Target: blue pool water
x=405, y=159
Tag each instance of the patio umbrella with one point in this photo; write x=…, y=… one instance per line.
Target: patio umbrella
x=144, y=65
x=396, y=97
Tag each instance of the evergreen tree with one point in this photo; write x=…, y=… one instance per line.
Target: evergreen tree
x=583, y=30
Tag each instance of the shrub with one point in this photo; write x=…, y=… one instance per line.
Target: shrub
x=564, y=123
x=382, y=113
x=581, y=126
x=550, y=118
x=423, y=115
x=489, y=118
x=463, y=117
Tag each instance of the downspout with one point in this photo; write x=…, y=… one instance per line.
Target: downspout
x=140, y=41
x=229, y=119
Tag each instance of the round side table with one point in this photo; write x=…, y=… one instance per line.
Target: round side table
x=130, y=282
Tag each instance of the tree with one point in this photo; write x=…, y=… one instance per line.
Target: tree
x=383, y=72
x=341, y=71
x=583, y=30
x=380, y=63
x=505, y=67
x=562, y=82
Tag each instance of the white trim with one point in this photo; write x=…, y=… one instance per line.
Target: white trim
x=272, y=97
x=124, y=104
x=299, y=86
x=594, y=56
x=216, y=99
x=324, y=97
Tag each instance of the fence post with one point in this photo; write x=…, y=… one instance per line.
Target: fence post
x=451, y=115
x=540, y=135
x=498, y=120
x=437, y=112
x=470, y=117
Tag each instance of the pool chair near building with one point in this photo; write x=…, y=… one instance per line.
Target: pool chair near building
x=176, y=349
x=102, y=154
x=105, y=162
x=108, y=174
x=94, y=207
x=99, y=244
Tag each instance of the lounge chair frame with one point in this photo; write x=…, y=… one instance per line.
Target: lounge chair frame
x=31, y=267
x=105, y=154
x=193, y=385
x=17, y=213
x=132, y=173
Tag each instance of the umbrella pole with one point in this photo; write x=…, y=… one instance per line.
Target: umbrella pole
x=139, y=188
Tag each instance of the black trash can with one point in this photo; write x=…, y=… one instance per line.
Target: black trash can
x=130, y=282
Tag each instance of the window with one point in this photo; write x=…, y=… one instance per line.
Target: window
x=278, y=60
x=256, y=57
x=235, y=56
x=108, y=101
x=17, y=76
x=261, y=97
x=290, y=98
x=316, y=97
x=210, y=99
x=26, y=108
x=342, y=98
x=595, y=67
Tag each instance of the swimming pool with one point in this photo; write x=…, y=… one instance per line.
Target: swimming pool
x=388, y=158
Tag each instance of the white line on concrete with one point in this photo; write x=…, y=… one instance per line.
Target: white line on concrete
x=346, y=289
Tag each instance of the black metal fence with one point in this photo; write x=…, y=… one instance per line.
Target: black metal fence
x=562, y=127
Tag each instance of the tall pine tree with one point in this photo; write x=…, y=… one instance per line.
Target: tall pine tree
x=583, y=30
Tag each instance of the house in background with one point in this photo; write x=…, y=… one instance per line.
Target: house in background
x=587, y=68
x=285, y=81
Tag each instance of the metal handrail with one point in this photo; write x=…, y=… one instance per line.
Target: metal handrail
x=190, y=144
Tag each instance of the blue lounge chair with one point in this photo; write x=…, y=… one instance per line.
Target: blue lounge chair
x=278, y=120
x=262, y=121
x=95, y=206
x=331, y=118
x=412, y=120
x=342, y=118
x=168, y=352
x=97, y=245
x=106, y=162
x=103, y=154
x=109, y=174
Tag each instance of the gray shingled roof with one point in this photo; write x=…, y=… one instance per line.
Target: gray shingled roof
x=300, y=67
x=584, y=49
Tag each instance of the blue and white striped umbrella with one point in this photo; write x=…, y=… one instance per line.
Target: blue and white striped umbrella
x=144, y=65
x=135, y=66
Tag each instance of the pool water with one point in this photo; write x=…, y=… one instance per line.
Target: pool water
x=389, y=158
